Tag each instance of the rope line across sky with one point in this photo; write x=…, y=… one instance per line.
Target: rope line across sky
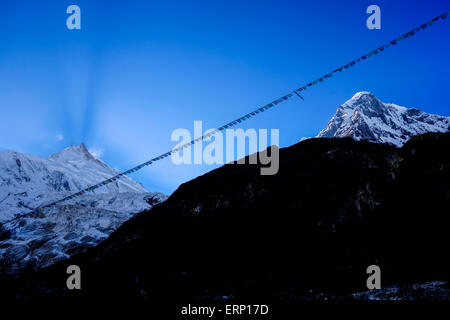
x=250, y=114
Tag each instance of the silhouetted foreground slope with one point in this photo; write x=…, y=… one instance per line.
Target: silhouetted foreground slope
x=335, y=207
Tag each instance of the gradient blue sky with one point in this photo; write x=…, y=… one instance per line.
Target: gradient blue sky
x=137, y=70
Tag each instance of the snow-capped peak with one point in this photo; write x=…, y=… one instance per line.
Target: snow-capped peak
x=360, y=94
x=75, y=153
x=28, y=182
x=71, y=152
x=365, y=117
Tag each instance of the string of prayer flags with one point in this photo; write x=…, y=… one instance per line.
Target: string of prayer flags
x=253, y=113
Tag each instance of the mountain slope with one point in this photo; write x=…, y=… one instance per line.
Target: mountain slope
x=27, y=182
x=365, y=117
x=335, y=207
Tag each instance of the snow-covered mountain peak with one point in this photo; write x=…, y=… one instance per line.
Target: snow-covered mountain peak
x=364, y=101
x=361, y=94
x=365, y=117
x=75, y=153
x=28, y=182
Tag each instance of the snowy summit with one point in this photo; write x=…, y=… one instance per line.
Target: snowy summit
x=365, y=117
x=28, y=182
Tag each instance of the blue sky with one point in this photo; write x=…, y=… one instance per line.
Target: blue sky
x=137, y=70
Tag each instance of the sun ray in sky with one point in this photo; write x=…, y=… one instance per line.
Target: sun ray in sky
x=137, y=71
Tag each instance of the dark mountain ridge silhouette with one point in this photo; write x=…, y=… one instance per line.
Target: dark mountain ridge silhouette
x=335, y=207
